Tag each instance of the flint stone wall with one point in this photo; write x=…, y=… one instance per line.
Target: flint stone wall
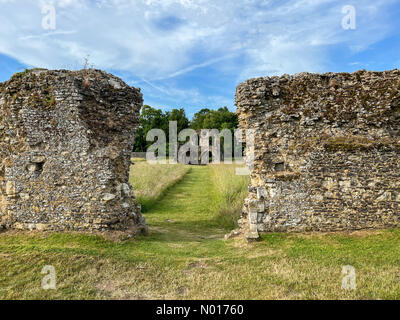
x=65, y=145
x=326, y=151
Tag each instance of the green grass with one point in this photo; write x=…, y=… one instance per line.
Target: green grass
x=25, y=72
x=185, y=257
x=150, y=182
x=230, y=190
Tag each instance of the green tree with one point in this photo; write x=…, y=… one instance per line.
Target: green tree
x=215, y=119
x=150, y=118
x=179, y=115
x=197, y=122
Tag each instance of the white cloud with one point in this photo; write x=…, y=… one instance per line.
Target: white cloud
x=163, y=39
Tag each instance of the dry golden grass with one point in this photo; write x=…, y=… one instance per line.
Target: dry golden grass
x=230, y=191
x=279, y=267
x=150, y=182
x=185, y=257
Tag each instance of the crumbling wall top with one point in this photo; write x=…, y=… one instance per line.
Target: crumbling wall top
x=364, y=98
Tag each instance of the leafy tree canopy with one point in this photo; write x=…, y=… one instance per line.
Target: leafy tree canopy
x=214, y=119
x=152, y=118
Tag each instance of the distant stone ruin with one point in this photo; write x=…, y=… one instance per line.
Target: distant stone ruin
x=204, y=147
x=327, y=151
x=65, y=144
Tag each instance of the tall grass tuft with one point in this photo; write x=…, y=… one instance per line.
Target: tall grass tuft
x=150, y=182
x=230, y=192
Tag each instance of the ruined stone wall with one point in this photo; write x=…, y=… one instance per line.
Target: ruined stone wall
x=65, y=144
x=327, y=151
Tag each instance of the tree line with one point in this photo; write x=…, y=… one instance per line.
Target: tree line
x=151, y=118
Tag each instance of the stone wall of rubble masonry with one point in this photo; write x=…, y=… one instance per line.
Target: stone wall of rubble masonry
x=327, y=151
x=65, y=144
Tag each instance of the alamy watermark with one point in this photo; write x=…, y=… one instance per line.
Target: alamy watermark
x=349, y=278
x=349, y=21
x=49, y=280
x=201, y=147
x=49, y=17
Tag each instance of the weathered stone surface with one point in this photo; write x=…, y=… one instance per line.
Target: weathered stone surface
x=327, y=151
x=65, y=144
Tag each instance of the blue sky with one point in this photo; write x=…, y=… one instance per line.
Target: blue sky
x=193, y=53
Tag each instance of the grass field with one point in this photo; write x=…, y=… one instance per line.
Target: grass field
x=230, y=190
x=150, y=182
x=185, y=257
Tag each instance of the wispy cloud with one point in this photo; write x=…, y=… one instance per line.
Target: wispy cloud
x=195, y=66
x=48, y=34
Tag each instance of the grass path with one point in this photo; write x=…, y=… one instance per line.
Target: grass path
x=187, y=211
x=184, y=257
